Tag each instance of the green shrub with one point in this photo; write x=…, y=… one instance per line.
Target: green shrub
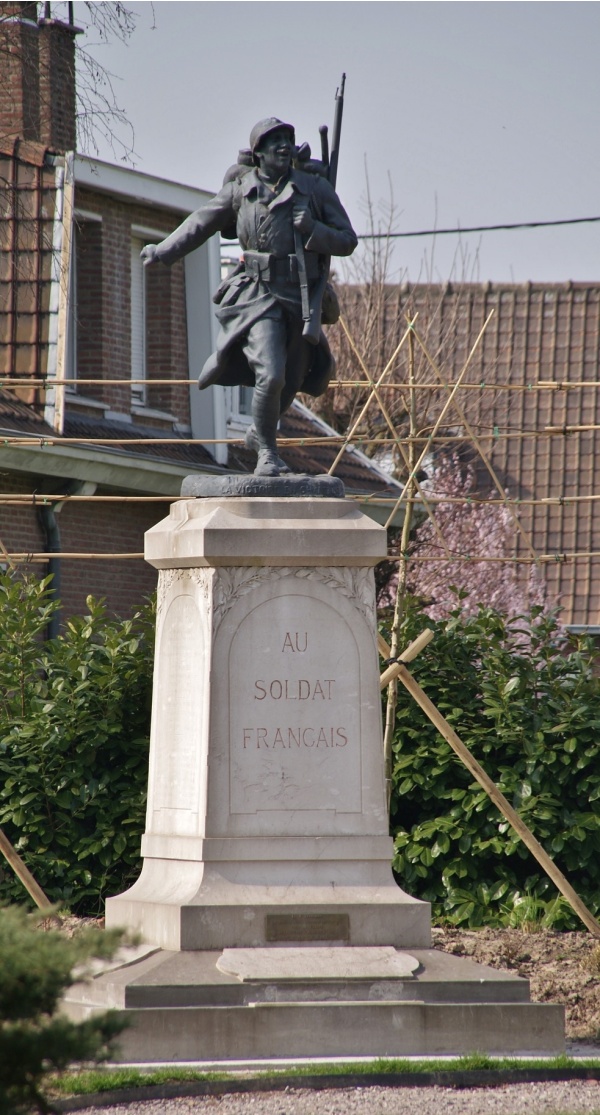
x=35, y=969
x=529, y=710
x=74, y=728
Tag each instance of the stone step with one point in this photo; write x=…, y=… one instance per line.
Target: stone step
x=251, y=1004
x=348, y=1029
x=194, y=979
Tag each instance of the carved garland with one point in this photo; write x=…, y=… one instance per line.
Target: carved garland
x=168, y=578
x=356, y=584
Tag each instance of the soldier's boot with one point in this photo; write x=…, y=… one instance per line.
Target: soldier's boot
x=267, y=463
x=252, y=443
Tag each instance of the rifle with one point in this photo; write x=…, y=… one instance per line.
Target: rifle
x=312, y=328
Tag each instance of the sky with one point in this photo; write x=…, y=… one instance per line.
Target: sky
x=457, y=115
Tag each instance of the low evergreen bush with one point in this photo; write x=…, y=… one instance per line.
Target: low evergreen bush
x=35, y=969
x=74, y=731
x=528, y=707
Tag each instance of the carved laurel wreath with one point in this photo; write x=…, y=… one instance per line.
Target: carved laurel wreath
x=169, y=577
x=356, y=584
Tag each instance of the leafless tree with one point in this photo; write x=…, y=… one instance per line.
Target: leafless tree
x=100, y=114
x=377, y=302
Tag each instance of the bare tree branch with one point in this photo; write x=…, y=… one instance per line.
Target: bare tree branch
x=102, y=119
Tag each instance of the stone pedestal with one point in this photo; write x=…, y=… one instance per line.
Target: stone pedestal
x=271, y=920
x=267, y=820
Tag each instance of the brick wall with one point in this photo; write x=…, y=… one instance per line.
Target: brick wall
x=86, y=527
x=57, y=85
x=107, y=528
x=19, y=59
x=26, y=218
x=37, y=113
x=20, y=532
x=37, y=78
x=89, y=305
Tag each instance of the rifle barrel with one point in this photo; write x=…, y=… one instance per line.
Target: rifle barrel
x=337, y=131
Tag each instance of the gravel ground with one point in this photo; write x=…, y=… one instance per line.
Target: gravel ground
x=572, y=1097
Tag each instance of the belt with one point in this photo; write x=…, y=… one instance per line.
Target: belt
x=270, y=268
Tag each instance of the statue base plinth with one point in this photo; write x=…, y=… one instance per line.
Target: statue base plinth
x=273, y=923
x=247, y=485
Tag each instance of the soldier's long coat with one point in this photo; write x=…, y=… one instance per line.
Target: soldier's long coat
x=264, y=223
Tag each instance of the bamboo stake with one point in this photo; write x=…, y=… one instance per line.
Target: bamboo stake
x=412, y=650
x=407, y=456
x=392, y=693
x=558, y=557
x=350, y=434
x=24, y=381
x=26, y=498
x=6, y=554
x=23, y=873
x=475, y=441
x=43, y=500
x=9, y=382
x=541, y=385
x=523, y=832
x=569, y=429
x=561, y=558
x=95, y=557
x=41, y=441
x=445, y=408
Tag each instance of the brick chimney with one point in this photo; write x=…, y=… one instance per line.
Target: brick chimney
x=37, y=77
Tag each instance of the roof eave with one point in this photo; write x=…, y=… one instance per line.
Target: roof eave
x=135, y=185
x=130, y=472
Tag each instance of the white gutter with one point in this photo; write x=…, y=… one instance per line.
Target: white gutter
x=53, y=410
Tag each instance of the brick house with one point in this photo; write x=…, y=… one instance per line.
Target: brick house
x=76, y=305
x=540, y=429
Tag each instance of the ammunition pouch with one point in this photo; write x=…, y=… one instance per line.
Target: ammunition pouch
x=330, y=306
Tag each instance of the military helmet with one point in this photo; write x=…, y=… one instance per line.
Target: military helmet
x=264, y=127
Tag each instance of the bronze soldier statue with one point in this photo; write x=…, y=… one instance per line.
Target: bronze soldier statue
x=288, y=222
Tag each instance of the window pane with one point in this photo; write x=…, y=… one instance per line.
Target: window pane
x=138, y=321
x=245, y=400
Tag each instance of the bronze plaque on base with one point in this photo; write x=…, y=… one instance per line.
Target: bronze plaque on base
x=307, y=927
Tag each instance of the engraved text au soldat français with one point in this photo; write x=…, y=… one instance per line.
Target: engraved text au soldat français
x=313, y=691
x=294, y=737
x=301, y=690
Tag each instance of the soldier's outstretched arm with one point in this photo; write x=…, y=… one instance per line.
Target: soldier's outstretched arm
x=217, y=214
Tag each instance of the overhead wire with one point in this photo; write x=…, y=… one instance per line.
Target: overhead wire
x=458, y=231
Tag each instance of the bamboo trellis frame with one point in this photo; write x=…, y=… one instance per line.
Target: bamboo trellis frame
x=559, y=558
x=36, y=499
x=13, y=382
x=41, y=441
x=477, y=434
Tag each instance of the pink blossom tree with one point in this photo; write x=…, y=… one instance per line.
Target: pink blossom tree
x=447, y=556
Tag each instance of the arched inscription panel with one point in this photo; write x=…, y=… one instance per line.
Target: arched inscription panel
x=295, y=716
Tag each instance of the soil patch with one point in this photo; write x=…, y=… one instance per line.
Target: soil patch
x=560, y=967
